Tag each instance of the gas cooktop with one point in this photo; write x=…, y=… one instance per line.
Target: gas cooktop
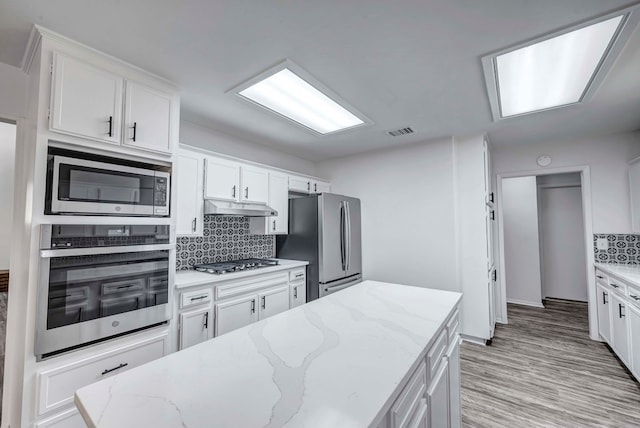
x=235, y=266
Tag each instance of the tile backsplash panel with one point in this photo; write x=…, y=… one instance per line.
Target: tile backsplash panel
x=224, y=238
x=623, y=249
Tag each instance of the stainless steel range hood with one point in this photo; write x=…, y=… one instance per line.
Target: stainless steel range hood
x=213, y=207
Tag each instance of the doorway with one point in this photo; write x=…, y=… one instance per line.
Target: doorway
x=7, y=170
x=545, y=234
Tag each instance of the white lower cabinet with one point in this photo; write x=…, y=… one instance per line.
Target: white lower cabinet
x=604, y=312
x=431, y=396
x=634, y=336
x=69, y=419
x=236, y=313
x=58, y=384
x=196, y=326
x=298, y=293
x=274, y=301
x=455, y=403
x=619, y=328
x=438, y=398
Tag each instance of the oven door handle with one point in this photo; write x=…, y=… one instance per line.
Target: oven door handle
x=66, y=252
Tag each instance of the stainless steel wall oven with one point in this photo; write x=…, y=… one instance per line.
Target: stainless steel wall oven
x=100, y=281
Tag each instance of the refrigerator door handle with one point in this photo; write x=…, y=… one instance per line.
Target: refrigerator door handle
x=348, y=236
x=343, y=222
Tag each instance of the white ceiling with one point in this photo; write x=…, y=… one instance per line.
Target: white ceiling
x=401, y=63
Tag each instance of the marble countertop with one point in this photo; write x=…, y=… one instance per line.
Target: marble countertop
x=629, y=273
x=336, y=361
x=191, y=278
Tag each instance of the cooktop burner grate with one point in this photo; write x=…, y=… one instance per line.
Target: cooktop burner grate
x=235, y=266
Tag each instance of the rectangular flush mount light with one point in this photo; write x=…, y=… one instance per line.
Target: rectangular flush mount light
x=287, y=91
x=558, y=70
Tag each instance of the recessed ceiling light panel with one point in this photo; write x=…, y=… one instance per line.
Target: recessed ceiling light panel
x=292, y=93
x=558, y=70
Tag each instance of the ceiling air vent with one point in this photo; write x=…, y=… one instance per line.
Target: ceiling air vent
x=401, y=131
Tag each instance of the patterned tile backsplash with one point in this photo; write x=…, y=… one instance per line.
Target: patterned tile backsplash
x=623, y=249
x=225, y=238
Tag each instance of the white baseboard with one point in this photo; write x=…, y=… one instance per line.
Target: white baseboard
x=473, y=339
x=526, y=303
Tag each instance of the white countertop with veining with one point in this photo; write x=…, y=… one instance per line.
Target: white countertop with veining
x=629, y=273
x=191, y=278
x=338, y=361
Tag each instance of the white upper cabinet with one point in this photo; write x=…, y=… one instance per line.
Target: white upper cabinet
x=147, y=118
x=300, y=184
x=255, y=184
x=189, y=182
x=279, y=201
x=86, y=101
x=222, y=179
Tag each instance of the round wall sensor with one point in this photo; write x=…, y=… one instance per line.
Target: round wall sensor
x=544, y=160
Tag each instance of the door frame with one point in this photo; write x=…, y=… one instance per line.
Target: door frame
x=587, y=215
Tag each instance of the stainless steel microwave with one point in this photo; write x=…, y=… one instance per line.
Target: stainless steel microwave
x=85, y=184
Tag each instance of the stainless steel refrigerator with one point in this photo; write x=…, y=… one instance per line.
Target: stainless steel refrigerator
x=325, y=230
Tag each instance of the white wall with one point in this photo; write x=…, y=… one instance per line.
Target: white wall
x=562, y=243
x=13, y=84
x=521, y=249
x=607, y=157
x=408, y=224
x=7, y=161
x=209, y=139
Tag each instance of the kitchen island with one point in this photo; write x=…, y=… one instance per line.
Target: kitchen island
x=375, y=354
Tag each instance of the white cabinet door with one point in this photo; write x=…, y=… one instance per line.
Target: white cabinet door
x=235, y=314
x=222, y=179
x=455, y=401
x=279, y=200
x=274, y=301
x=68, y=419
x=299, y=184
x=85, y=101
x=147, y=118
x=189, y=209
x=634, y=337
x=619, y=328
x=604, y=313
x=298, y=294
x=255, y=184
x=321, y=187
x=195, y=327
x=438, y=398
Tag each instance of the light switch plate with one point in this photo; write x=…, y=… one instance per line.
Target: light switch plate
x=602, y=243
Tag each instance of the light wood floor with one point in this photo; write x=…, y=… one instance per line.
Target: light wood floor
x=542, y=370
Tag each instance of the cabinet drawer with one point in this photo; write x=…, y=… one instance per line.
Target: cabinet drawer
x=453, y=327
x=617, y=286
x=196, y=297
x=634, y=295
x=56, y=386
x=602, y=277
x=410, y=399
x=251, y=285
x=436, y=354
x=298, y=274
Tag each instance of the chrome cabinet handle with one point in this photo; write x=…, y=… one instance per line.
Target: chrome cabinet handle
x=264, y=302
x=614, y=285
x=204, y=296
x=135, y=126
x=233, y=191
x=634, y=297
x=253, y=306
x=295, y=292
x=246, y=193
x=121, y=365
x=299, y=275
x=274, y=225
x=620, y=308
x=110, y=126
